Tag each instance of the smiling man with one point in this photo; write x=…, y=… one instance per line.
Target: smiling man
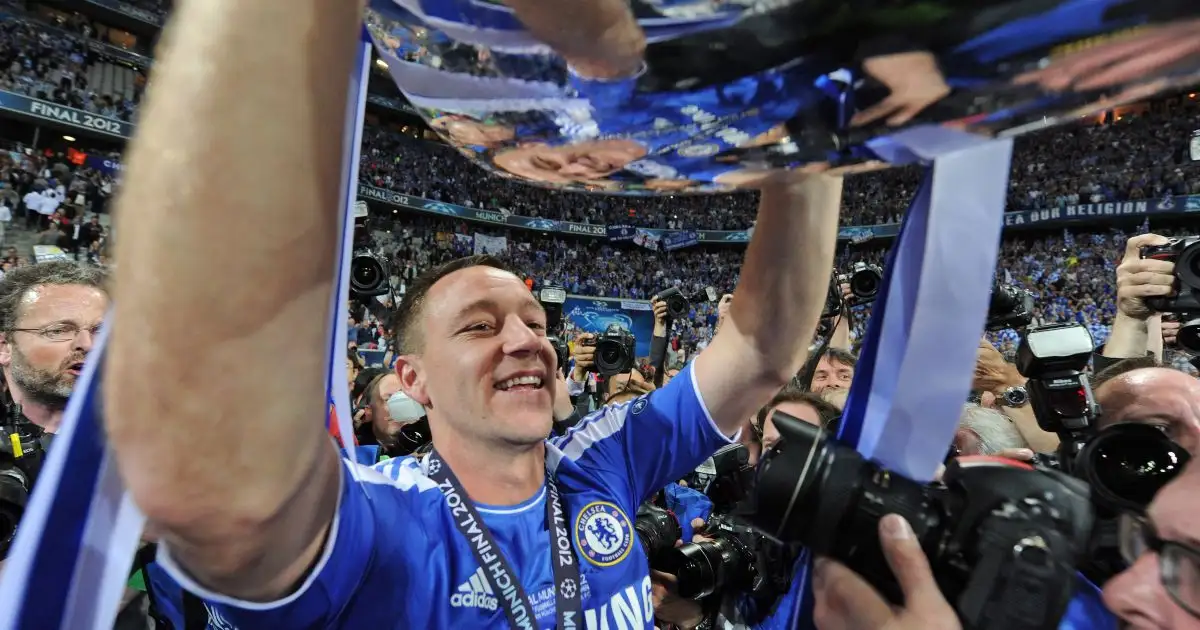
x=49, y=316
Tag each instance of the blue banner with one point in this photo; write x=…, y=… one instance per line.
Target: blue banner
x=679, y=240
x=621, y=232
x=1087, y=212
x=593, y=315
x=46, y=110
x=105, y=165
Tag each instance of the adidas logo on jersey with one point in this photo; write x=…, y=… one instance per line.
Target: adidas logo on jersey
x=475, y=593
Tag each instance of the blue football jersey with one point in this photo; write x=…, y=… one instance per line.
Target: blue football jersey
x=395, y=559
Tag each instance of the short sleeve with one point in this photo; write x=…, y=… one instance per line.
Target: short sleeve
x=368, y=498
x=649, y=442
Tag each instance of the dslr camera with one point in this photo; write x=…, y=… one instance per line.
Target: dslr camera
x=678, y=304
x=1125, y=464
x=865, y=281
x=738, y=558
x=368, y=269
x=1010, y=307
x=1185, y=253
x=614, y=351
x=657, y=531
x=995, y=532
x=22, y=452
x=552, y=300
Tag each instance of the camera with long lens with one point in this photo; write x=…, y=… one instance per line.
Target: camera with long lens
x=738, y=558
x=995, y=532
x=1125, y=464
x=1185, y=253
x=552, y=300
x=368, y=269
x=864, y=281
x=729, y=562
x=22, y=452
x=679, y=304
x=657, y=531
x=614, y=351
x=1010, y=307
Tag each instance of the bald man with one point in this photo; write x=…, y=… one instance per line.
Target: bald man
x=1154, y=395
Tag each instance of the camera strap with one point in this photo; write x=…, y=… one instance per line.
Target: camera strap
x=497, y=570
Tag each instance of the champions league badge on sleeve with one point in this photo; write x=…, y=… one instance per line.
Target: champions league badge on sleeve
x=603, y=533
x=687, y=96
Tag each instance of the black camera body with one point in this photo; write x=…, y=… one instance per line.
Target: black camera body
x=552, y=300
x=615, y=349
x=679, y=304
x=864, y=280
x=730, y=562
x=1125, y=464
x=657, y=531
x=369, y=275
x=1010, y=307
x=1185, y=253
x=994, y=531
x=22, y=452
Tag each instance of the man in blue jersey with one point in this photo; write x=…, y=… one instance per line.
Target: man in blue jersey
x=226, y=455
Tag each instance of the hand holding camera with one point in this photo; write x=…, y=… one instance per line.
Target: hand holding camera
x=844, y=601
x=585, y=356
x=1139, y=278
x=1183, y=294
x=660, y=316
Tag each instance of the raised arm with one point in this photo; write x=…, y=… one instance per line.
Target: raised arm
x=778, y=300
x=215, y=382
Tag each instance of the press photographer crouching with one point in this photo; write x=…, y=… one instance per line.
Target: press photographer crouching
x=49, y=317
x=995, y=531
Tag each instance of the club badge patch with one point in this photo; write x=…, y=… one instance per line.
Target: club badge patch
x=603, y=533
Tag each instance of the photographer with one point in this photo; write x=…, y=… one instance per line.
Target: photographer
x=49, y=316
x=292, y=537
x=1158, y=590
x=1139, y=390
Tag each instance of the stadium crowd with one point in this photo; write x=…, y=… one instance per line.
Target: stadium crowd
x=52, y=65
x=1071, y=274
x=1129, y=158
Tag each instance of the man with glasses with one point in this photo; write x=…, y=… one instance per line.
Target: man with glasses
x=1160, y=589
x=49, y=316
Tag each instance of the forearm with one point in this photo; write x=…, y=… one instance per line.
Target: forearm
x=778, y=300
x=1027, y=425
x=1129, y=338
x=228, y=218
x=1154, y=336
x=841, y=333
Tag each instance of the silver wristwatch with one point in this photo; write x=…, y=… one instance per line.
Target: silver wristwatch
x=1015, y=396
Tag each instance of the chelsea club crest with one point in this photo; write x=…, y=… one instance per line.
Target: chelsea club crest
x=603, y=534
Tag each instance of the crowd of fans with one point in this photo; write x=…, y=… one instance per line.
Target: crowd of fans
x=1072, y=275
x=1127, y=158
x=52, y=65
